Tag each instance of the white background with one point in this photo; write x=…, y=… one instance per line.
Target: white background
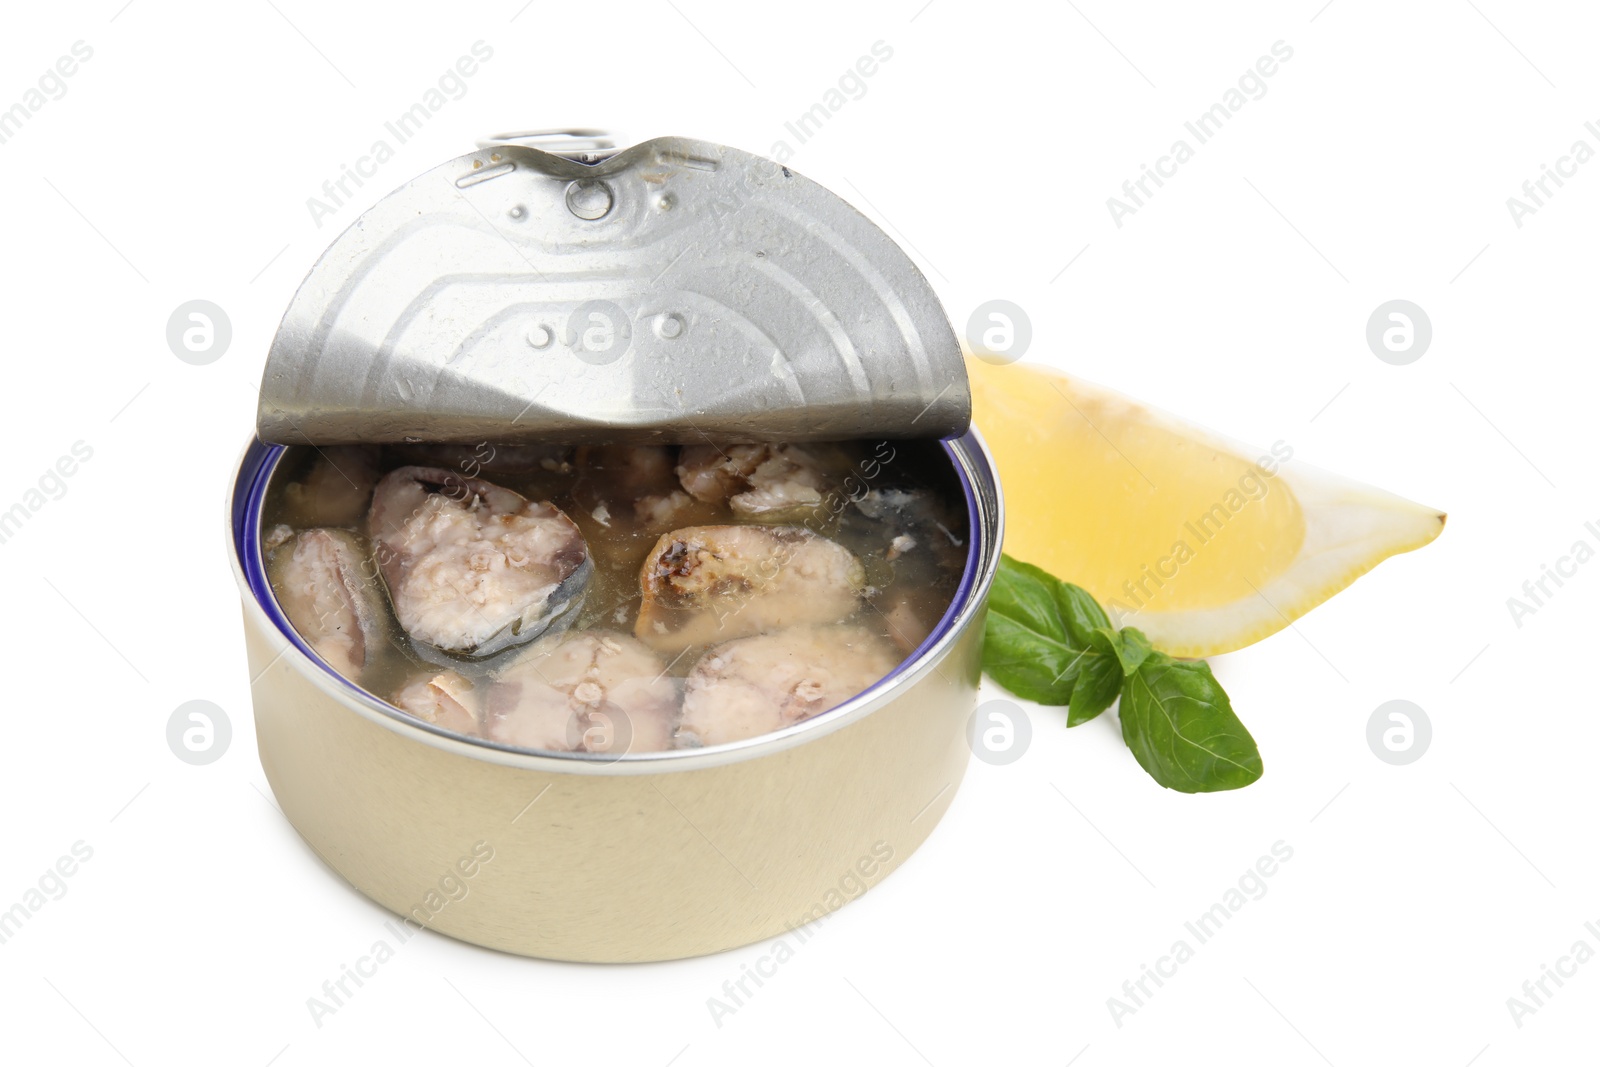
x=1419, y=898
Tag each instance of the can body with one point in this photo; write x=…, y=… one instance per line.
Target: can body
x=644, y=858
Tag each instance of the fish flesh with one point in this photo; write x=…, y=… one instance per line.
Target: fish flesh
x=327, y=590
x=905, y=624
x=754, y=480
x=632, y=487
x=754, y=685
x=473, y=568
x=594, y=691
x=712, y=583
x=916, y=521
x=445, y=699
x=337, y=487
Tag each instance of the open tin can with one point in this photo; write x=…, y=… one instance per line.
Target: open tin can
x=675, y=292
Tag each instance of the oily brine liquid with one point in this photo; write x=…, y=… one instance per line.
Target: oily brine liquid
x=615, y=599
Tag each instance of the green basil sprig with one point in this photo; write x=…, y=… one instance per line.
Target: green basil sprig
x=1049, y=641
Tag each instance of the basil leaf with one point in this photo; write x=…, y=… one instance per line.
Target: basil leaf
x=1177, y=721
x=1037, y=668
x=1099, y=680
x=1049, y=641
x=1080, y=611
x=1037, y=637
x=1130, y=646
x=1023, y=591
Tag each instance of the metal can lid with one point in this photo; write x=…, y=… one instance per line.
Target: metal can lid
x=549, y=288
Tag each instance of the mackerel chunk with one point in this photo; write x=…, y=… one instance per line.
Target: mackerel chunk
x=473, y=568
x=755, y=480
x=586, y=692
x=444, y=699
x=711, y=583
x=330, y=598
x=631, y=488
x=336, y=489
x=755, y=685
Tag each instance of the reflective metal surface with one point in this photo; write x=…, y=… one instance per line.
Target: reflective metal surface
x=583, y=145
x=677, y=291
x=653, y=857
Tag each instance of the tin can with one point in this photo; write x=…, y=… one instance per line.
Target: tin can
x=651, y=857
x=579, y=856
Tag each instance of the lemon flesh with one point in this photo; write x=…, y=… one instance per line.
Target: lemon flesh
x=1205, y=544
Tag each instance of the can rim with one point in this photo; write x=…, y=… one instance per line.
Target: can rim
x=974, y=468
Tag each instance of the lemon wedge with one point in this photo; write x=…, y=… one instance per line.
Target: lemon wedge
x=1205, y=544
